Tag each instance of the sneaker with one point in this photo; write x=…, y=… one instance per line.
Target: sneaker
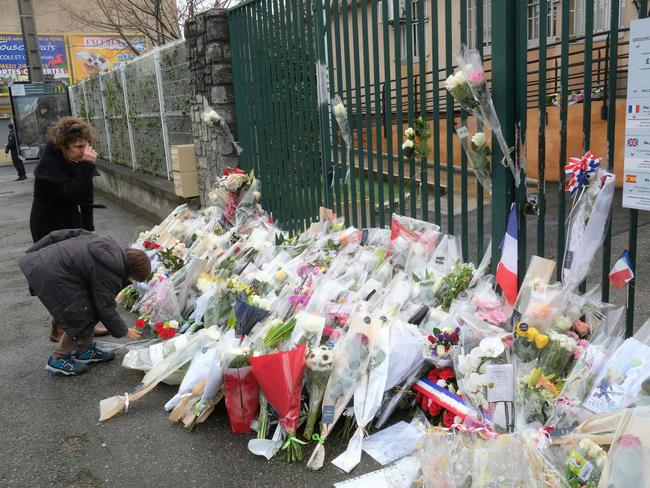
x=67, y=365
x=93, y=355
x=21, y=178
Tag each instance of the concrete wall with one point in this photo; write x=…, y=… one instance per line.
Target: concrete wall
x=208, y=48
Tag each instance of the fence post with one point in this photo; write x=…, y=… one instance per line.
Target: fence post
x=503, y=86
x=83, y=89
x=127, y=113
x=105, y=117
x=161, y=103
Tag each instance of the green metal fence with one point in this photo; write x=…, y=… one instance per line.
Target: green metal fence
x=290, y=57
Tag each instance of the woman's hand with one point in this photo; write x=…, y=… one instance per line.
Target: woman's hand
x=89, y=154
x=133, y=334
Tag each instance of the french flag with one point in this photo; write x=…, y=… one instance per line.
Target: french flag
x=507, y=270
x=633, y=109
x=621, y=273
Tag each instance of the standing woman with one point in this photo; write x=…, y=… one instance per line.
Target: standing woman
x=63, y=186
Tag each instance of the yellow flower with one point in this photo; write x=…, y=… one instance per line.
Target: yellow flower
x=532, y=333
x=541, y=341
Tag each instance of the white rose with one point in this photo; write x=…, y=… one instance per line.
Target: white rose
x=479, y=139
x=408, y=144
x=441, y=350
x=235, y=181
x=461, y=79
x=339, y=111
x=491, y=347
x=410, y=133
x=451, y=83
x=173, y=324
x=311, y=324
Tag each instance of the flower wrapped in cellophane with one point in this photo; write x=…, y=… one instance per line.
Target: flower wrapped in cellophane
x=586, y=227
x=368, y=395
x=352, y=355
x=279, y=376
x=319, y=363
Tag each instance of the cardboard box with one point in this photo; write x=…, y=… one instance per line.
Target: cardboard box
x=186, y=184
x=183, y=158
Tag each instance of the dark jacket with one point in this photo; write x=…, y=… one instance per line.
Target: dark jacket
x=12, y=145
x=63, y=194
x=77, y=275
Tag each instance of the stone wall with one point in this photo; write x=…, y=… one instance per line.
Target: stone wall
x=208, y=48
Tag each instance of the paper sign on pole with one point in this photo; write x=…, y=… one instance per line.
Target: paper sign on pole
x=636, y=180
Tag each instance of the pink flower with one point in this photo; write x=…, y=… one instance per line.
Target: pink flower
x=582, y=328
x=476, y=77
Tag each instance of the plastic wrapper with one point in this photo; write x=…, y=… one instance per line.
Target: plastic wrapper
x=477, y=149
x=279, y=376
x=628, y=461
x=620, y=380
x=471, y=70
x=241, y=393
x=162, y=370
x=445, y=460
x=160, y=302
x=586, y=228
x=484, y=372
x=367, y=397
x=318, y=369
x=197, y=371
x=488, y=306
x=404, y=232
x=504, y=461
x=352, y=355
x=145, y=358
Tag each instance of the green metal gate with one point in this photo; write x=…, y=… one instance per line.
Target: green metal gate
x=290, y=57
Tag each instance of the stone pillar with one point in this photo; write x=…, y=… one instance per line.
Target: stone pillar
x=208, y=51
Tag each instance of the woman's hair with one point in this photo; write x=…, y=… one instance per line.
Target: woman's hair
x=68, y=130
x=138, y=265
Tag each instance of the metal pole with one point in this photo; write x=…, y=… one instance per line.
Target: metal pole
x=106, y=119
x=503, y=86
x=128, y=117
x=30, y=38
x=163, y=120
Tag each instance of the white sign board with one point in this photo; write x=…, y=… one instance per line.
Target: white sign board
x=636, y=180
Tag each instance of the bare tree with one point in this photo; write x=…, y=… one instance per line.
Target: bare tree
x=159, y=21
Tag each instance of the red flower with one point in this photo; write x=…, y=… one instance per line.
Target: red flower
x=454, y=337
x=234, y=171
x=140, y=324
x=448, y=418
x=434, y=409
x=150, y=245
x=446, y=374
x=433, y=375
x=431, y=339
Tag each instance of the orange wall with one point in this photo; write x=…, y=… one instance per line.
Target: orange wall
x=574, y=139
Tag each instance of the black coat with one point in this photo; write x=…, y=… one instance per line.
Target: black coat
x=63, y=194
x=77, y=275
x=12, y=146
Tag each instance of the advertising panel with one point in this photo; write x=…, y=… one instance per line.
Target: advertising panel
x=94, y=54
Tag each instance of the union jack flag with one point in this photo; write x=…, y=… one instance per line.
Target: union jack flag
x=632, y=142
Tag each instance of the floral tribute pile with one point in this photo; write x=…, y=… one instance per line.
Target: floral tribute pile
x=342, y=327
x=294, y=333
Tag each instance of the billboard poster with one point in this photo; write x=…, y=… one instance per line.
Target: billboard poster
x=13, y=62
x=94, y=54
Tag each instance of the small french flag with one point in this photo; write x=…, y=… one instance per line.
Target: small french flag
x=633, y=109
x=507, y=269
x=621, y=273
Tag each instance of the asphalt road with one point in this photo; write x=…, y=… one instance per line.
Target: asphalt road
x=49, y=425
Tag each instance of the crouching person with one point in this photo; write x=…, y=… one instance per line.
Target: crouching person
x=77, y=275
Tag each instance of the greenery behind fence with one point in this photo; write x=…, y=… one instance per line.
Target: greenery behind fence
x=139, y=109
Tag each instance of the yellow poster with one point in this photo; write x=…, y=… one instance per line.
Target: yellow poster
x=93, y=54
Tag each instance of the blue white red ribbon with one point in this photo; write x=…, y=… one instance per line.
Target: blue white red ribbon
x=578, y=171
x=442, y=397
